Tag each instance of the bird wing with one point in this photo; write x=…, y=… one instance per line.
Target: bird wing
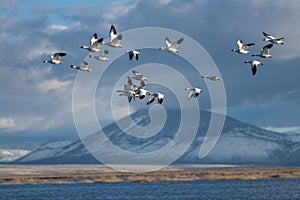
x=129, y=98
x=160, y=100
x=253, y=68
x=245, y=46
x=96, y=43
x=136, y=56
x=168, y=42
x=116, y=39
x=136, y=73
x=130, y=55
x=152, y=98
x=112, y=31
x=56, y=56
x=127, y=87
x=176, y=43
x=266, y=49
x=191, y=95
x=84, y=65
x=240, y=44
x=269, y=36
x=142, y=85
x=94, y=38
x=104, y=53
x=129, y=81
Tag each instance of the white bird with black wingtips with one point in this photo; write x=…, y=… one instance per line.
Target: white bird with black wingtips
x=242, y=48
x=160, y=98
x=94, y=44
x=172, y=46
x=102, y=57
x=55, y=59
x=212, y=78
x=254, y=65
x=194, y=92
x=138, y=76
x=114, y=38
x=273, y=39
x=84, y=67
x=265, y=52
x=128, y=90
x=133, y=53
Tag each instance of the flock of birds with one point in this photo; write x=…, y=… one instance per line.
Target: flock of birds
x=264, y=52
x=132, y=91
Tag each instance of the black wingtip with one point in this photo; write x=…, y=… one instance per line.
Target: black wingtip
x=100, y=40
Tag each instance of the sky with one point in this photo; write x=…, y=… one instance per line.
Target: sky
x=36, y=97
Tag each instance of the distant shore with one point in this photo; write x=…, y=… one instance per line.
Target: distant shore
x=80, y=174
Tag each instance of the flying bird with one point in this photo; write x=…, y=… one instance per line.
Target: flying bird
x=84, y=67
x=160, y=98
x=254, y=65
x=94, y=44
x=133, y=53
x=272, y=39
x=128, y=90
x=194, y=92
x=102, y=57
x=265, y=52
x=138, y=76
x=242, y=48
x=212, y=78
x=172, y=46
x=55, y=59
x=114, y=38
x=129, y=93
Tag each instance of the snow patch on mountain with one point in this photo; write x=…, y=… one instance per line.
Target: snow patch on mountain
x=9, y=155
x=46, y=150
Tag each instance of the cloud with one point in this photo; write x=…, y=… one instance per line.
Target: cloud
x=52, y=85
x=22, y=123
x=6, y=123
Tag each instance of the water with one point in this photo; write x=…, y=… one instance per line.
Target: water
x=221, y=189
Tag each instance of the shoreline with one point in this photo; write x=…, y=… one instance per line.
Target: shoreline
x=81, y=174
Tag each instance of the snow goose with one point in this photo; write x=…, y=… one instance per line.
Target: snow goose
x=272, y=39
x=128, y=91
x=133, y=53
x=212, y=78
x=160, y=98
x=265, y=52
x=172, y=47
x=254, y=65
x=102, y=57
x=114, y=38
x=55, y=59
x=242, y=48
x=94, y=44
x=138, y=76
x=84, y=67
x=194, y=92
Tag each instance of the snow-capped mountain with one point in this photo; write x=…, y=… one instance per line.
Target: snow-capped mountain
x=240, y=143
x=9, y=155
